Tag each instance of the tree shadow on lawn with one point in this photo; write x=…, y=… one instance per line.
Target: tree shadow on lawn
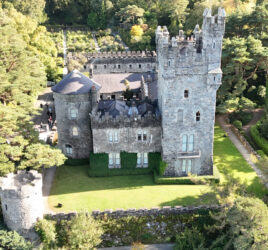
x=75, y=179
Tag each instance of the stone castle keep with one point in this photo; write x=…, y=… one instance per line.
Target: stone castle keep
x=172, y=110
x=22, y=200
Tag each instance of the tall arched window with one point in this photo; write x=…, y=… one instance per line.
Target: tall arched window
x=191, y=143
x=69, y=149
x=197, y=116
x=184, y=143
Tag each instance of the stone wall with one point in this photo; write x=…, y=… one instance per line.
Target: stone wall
x=82, y=143
x=118, y=62
x=191, y=65
x=119, y=213
x=127, y=129
x=22, y=200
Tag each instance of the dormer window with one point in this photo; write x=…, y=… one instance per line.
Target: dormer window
x=186, y=93
x=197, y=116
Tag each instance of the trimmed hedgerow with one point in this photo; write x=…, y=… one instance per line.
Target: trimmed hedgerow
x=99, y=165
x=128, y=160
x=258, y=139
x=76, y=162
x=189, y=179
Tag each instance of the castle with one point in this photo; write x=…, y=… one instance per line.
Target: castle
x=172, y=110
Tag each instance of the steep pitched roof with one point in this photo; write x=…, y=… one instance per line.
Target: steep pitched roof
x=75, y=83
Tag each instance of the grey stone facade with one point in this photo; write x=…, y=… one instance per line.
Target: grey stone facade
x=22, y=200
x=188, y=76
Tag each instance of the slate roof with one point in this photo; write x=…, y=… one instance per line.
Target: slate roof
x=113, y=83
x=117, y=107
x=75, y=83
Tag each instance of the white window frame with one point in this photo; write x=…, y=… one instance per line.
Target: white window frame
x=114, y=160
x=190, y=144
x=187, y=166
x=184, y=143
x=143, y=135
x=75, y=131
x=68, y=149
x=73, y=112
x=113, y=136
x=142, y=160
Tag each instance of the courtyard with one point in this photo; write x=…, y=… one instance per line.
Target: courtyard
x=77, y=192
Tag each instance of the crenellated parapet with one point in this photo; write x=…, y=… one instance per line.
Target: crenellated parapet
x=99, y=121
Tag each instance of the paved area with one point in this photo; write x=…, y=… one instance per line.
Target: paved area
x=146, y=247
x=96, y=42
x=48, y=174
x=226, y=127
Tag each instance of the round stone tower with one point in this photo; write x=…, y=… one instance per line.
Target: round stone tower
x=74, y=99
x=22, y=200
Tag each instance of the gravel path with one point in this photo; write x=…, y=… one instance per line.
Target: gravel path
x=226, y=127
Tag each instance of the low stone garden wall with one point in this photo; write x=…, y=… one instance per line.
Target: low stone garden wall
x=119, y=213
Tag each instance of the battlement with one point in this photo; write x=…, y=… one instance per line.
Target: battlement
x=21, y=184
x=213, y=26
x=107, y=121
x=119, y=54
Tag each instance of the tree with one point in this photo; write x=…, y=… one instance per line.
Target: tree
x=131, y=14
x=22, y=78
x=136, y=31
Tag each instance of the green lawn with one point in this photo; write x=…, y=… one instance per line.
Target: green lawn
x=76, y=191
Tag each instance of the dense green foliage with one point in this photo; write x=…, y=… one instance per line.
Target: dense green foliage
x=258, y=139
x=243, y=116
x=12, y=241
x=99, y=165
x=81, y=232
x=22, y=77
x=188, y=180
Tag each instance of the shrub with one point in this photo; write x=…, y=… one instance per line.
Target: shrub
x=76, y=162
x=99, y=165
x=238, y=124
x=81, y=232
x=243, y=116
x=128, y=160
x=46, y=230
x=260, y=141
x=263, y=128
x=11, y=240
x=261, y=154
x=189, y=179
x=162, y=168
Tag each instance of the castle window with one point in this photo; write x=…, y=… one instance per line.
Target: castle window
x=168, y=63
x=115, y=137
x=130, y=66
x=114, y=160
x=142, y=160
x=6, y=207
x=85, y=66
x=214, y=45
x=69, y=149
x=75, y=131
x=119, y=66
x=101, y=97
x=73, y=112
x=191, y=143
x=187, y=166
x=197, y=116
x=113, y=97
x=184, y=143
x=144, y=136
x=139, y=66
x=139, y=136
x=110, y=137
x=186, y=93
x=95, y=66
x=114, y=66
x=214, y=78
x=180, y=115
x=105, y=66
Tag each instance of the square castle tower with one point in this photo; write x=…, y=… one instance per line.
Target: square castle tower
x=189, y=75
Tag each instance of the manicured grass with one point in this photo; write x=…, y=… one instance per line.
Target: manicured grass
x=76, y=191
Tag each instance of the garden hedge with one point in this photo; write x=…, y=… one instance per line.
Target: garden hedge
x=258, y=139
x=188, y=180
x=98, y=165
x=76, y=162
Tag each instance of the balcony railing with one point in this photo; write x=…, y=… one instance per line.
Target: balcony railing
x=194, y=154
